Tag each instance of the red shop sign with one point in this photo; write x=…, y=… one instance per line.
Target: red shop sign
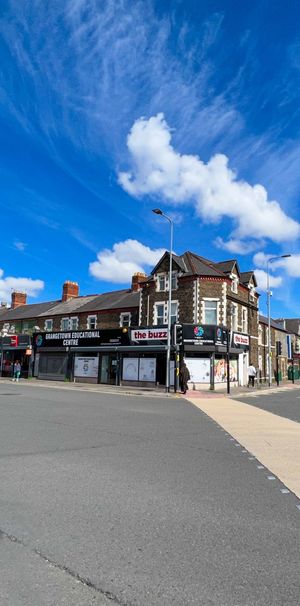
x=14, y=340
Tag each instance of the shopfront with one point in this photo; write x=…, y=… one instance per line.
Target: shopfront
x=15, y=348
x=205, y=350
x=124, y=356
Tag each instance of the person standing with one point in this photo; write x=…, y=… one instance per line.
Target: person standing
x=184, y=376
x=251, y=375
x=17, y=371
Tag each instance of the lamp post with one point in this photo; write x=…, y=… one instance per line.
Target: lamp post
x=269, y=312
x=157, y=211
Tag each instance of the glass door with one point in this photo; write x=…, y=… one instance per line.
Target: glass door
x=109, y=366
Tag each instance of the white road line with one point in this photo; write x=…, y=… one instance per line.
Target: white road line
x=271, y=478
x=284, y=491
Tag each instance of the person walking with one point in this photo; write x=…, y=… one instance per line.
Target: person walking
x=184, y=376
x=17, y=371
x=251, y=375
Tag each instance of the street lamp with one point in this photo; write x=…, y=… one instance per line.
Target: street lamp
x=157, y=211
x=269, y=312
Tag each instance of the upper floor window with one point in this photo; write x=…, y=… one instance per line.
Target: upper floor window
x=244, y=320
x=48, y=325
x=174, y=312
x=125, y=319
x=64, y=324
x=159, y=314
x=234, y=317
x=211, y=312
x=73, y=323
x=161, y=282
x=234, y=284
x=92, y=322
x=259, y=335
x=174, y=280
x=252, y=294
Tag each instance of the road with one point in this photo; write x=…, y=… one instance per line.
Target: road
x=109, y=499
x=284, y=403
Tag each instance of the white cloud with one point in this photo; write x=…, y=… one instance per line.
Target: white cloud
x=261, y=277
x=124, y=259
x=291, y=265
x=20, y=245
x=28, y=285
x=237, y=247
x=213, y=188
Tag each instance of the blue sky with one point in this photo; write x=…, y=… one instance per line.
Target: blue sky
x=110, y=108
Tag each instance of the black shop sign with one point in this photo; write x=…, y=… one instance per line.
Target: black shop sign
x=204, y=334
x=81, y=338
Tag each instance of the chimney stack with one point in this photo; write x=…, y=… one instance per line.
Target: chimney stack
x=70, y=290
x=137, y=280
x=18, y=299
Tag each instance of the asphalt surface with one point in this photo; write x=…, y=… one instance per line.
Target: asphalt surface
x=111, y=499
x=284, y=403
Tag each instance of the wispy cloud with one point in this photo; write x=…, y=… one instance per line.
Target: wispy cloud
x=21, y=246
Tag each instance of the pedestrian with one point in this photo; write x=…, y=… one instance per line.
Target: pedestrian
x=184, y=376
x=17, y=371
x=251, y=375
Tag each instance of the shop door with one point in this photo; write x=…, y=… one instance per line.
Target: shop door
x=109, y=368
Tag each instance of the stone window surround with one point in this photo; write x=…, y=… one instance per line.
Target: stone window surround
x=88, y=321
x=216, y=300
x=165, y=275
x=123, y=315
x=244, y=319
x=48, y=322
x=165, y=305
x=69, y=320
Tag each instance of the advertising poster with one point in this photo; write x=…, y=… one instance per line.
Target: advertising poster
x=220, y=370
x=199, y=369
x=86, y=367
x=130, y=369
x=147, y=369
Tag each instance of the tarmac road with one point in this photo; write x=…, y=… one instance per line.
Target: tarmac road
x=283, y=403
x=109, y=499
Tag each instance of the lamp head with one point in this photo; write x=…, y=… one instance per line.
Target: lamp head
x=157, y=211
x=285, y=256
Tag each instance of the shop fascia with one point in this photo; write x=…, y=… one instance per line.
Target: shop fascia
x=81, y=338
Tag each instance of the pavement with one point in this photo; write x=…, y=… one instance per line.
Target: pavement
x=109, y=498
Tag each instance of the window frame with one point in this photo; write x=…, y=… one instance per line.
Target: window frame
x=66, y=319
x=122, y=315
x=46, y=327
x=207, y=301
x=89, y=318
x=161, y=276
x=156, y=305
x=71, y=319
x=245, y=322
x=234, y=317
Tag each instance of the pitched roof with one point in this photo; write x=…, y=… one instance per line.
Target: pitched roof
x=246, y=277
x=227, y=267
x=24, y=312
x=274, y=324
x=291, y=324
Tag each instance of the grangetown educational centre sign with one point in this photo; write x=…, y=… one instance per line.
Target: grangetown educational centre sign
x=81, y=338
x=204, y=334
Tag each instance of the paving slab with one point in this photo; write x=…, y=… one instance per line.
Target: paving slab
x=273, y=440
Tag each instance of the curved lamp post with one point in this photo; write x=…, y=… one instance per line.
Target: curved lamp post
x=157, y=211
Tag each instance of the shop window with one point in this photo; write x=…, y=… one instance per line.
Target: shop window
x=125, y=319
x=159, y=314
x=92, y=322
x=244, y=320
x=161, y=282
x=211, y=312
x=64, y=324
x=48, y=325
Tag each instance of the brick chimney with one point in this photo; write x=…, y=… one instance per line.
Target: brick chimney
x=137, y=279
x=18, y=299
x=70, y=290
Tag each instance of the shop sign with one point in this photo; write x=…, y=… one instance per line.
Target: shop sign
x=81, y=338
x=240, y=340
x=204, y=334
x=149, y=334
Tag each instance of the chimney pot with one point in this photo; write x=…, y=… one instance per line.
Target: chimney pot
x=137, y=279
x=70, y=290
x=18, y=299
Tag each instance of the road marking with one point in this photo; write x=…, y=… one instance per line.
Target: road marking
x=284, y=491
x=260, y=466
x=271, y=478
x=298, y=505
x=251, y=458
x=244, y=451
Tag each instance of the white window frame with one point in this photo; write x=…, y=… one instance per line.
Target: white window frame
x=244, y=320
x=123, y=315
x=174, y=278
x=211, y=300
x=177, y=308
x=89, y=319
x=260, y=333
x=234, y=285
x=46, y=327
x=234, y=317
x=156, y=304
x=252, y=294
x=61, y=324
x=159, y=277
x=77, y=322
